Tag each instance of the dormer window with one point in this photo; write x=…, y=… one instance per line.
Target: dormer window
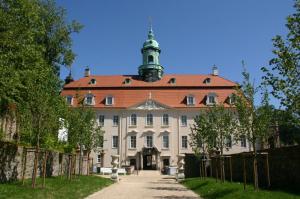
x=69, y=100
x=89, y=99
x=127, y=81
x=190, y=100
x=93, y=81
x=207, y=81
x=150, y=59
x=231, y=99
x=109, y=100
x=211, y=99
x=172, y=81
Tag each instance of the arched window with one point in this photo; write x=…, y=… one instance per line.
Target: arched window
x=150, y=59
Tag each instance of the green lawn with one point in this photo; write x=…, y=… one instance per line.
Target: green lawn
x=56, y=187
x=210, y=189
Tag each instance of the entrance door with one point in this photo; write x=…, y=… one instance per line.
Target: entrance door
x=147, y=162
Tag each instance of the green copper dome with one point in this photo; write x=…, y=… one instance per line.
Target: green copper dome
x=151, y=70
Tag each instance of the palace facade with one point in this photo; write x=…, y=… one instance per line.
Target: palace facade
x=147, y=117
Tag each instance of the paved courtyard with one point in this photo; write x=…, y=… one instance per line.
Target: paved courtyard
x=148, y=184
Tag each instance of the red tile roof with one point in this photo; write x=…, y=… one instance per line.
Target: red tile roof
x=172, y=95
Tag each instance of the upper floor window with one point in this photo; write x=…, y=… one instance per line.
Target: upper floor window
x=132, y=141
x=109, y=100
x=69, y=100
x=115, y=141
x=150, y=59
x=243, y=141
x=228, y=141
x=184, y=142
x=127, y=81
x=149, y=119
x=211, y=99
x=190, y=100
x=89, y=99
x=165, y=120
x=115, y=120
x=231, y=99
x=172, y=80
x=133, y=120
x=183, y=120
x=165, y=141
x=149, y=141
x=101, y=120
x=207, y=81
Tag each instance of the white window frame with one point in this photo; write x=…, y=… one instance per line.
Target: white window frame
x=71, y=101
x=163, y=120
x=114, y=145
x=186, y=140
x=107, y=100
x=118, y=120
x=163, y=141
x=130, y=142
x=92, y=99
x=146, y=141
x=131, y=118
x=209, y=96
x=181, y=120
x=99, y=158
x=150, y=118
x=192, y=102
x=101, y=123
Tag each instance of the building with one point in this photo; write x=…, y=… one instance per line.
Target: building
x=147, y=117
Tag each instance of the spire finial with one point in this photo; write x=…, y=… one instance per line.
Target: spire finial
x=150, y=34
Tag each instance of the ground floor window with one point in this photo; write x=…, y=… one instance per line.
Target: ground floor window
x=115, y=142
x=132, y=142
x=98, y=158
x=243, y=141
x=184, y=142
x=165, y=141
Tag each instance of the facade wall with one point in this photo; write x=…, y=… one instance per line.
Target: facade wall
x=175, y=130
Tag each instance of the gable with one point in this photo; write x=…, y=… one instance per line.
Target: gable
x=149, y=104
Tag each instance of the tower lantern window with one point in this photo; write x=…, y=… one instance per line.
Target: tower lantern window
x=150, y=59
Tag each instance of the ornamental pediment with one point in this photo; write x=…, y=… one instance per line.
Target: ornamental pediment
x=150, y=104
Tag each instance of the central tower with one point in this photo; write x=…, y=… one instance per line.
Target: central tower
x=151, y=70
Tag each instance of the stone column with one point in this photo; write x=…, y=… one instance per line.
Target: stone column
x=180, y=167
x=115, y=165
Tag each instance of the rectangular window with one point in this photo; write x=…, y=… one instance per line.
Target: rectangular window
x=228, y=142
x=115, y=141
x=165, y=141
x=165, y=120
x=183, y=120
x=243, y=141
x=99, y=158
x=69, y=100
x=211, y=99
x=109, y=100
x=132, y=142
x=133, y=119
x=89, y=100
x=190, y=100
x=149, y=121
x=101, y=120
x=115, y=120
x=184, y=142
x=149, y=141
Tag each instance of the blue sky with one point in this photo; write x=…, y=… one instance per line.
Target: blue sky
x=193, y=35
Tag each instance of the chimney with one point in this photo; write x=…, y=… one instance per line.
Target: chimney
x=69, y=78
x=87, y=72
x=215, y=71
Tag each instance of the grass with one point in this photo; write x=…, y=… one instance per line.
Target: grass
x=56, y=187
x=210, y=189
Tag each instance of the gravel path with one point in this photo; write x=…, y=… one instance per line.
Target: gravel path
x=148, y=184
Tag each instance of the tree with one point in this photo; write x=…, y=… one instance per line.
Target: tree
x=283, y=73
x=212, y=131
x=254, y=122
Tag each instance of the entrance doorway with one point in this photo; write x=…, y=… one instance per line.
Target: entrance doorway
x=147, y=162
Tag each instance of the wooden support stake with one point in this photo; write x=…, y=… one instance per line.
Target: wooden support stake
x=230, y=169
x=44, y=168
x=268, y=170
x=24, y=165
x=244, y=171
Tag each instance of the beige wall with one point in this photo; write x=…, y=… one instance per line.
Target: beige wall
x=124, y=130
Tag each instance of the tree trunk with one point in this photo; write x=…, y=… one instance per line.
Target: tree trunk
x=24, y=164
x=244, y=171
x=255, y=173
x=44, y=168
x=36, y=156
